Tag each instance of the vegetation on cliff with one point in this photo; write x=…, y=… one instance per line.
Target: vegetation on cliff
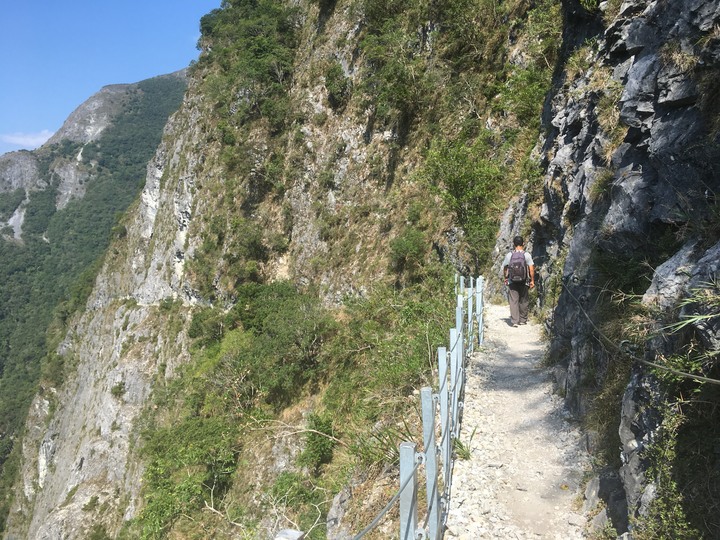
x=360, y=148
x=273, y=370
x=49, y=275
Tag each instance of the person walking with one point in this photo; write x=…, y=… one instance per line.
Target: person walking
x=519, y=273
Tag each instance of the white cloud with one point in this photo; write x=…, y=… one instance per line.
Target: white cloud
x=28, y=141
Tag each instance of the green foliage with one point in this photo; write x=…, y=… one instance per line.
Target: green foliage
x=600, y=188
x=666, y=517
x=338, y=86
x=267, y=352
x=251, y=50
x=319, y=442
x=407, y=252
x=118, y=390
x=392, y=78
x=9, y=201
x=91, y=505
x=524, y=93
x=40, y=208
x=187, y=463
x=257, y=355
x=294, y=491
x=288, y=330
x=469, y=181
x=684, y=461
x=98, y=532
x=380, y=356
x=590, y=5
x=464, y=450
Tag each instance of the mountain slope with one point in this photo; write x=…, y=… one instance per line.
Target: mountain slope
x=60, y=206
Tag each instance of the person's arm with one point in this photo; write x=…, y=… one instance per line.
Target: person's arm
x=531, y=270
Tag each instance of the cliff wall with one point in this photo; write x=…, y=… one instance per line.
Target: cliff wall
x=628, y=212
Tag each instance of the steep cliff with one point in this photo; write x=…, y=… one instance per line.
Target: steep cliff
x=59, y=207
x=624, y=235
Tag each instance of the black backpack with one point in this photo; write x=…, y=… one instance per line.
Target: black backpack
x=517, y=269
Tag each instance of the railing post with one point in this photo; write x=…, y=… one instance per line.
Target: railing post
x=458, y=384
x=479, y=308
x=408, y=496
x=444, y=392
x=458, y=317
x=470, y=322
x=455, y=366
x=431, y=464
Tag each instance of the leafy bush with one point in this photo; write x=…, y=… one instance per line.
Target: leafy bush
x=383, y=352
x=338, y=86
x=9, y=202
x=319, y=442
x=251, y=49
x=407, y=251
x=469, y=180
x=187, y=464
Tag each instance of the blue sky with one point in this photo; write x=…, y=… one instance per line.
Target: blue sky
x=54, y=54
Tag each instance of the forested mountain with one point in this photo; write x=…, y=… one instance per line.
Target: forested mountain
x=60, y=206
x=246, y=353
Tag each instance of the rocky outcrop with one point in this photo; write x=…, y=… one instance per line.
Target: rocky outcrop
x=19, y=170
x=631, y=165
x=93, y=116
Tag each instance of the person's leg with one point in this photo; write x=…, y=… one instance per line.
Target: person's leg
x=523, y=304
x=514, y=300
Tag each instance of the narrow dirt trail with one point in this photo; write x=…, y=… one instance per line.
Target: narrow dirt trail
x=522, y=480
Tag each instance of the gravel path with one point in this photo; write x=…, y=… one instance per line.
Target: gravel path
x=522, y=480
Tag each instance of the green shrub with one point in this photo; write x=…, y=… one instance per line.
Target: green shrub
x=319, y=442
x=9, y=201
x=118, y=389
x=469, y=181
x=666, y=516
x=186, y=464
x=338, y=86
x=407, y=251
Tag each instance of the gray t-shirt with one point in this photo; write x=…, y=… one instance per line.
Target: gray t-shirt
x=528, y=260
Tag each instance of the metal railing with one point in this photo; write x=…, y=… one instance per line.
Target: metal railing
x=437, y=456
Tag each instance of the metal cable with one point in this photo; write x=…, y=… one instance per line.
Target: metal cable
x=385, y=510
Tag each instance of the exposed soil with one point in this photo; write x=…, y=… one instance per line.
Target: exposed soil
x=526, y=461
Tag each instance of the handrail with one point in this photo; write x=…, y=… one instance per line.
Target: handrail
x=468, y=315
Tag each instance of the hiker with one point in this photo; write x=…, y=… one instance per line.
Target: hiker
x=519, y=272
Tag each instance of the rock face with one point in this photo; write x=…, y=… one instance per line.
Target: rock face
x=116, y=347
x=631, y=165
x=89, y=120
